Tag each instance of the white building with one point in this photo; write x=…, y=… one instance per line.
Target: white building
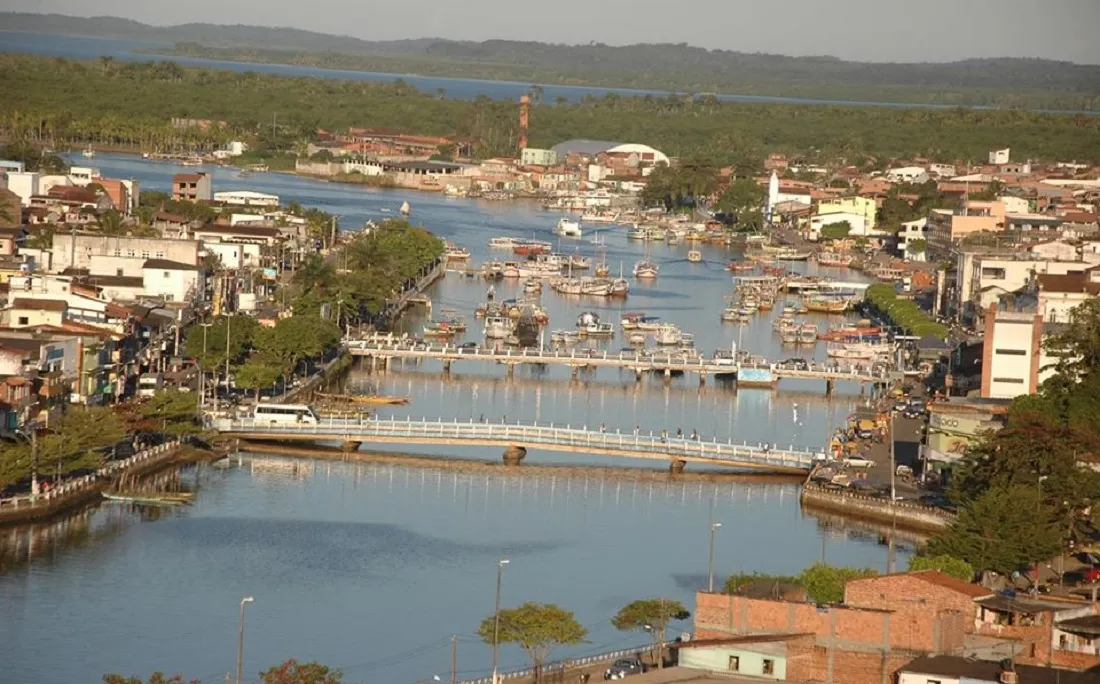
x=907, y=174
x=999, y=156
x=911, y=231
x=1013, y=359
x=172, y=281
x=83, y=176
x=1061, y=294
x=941, y=170
x=246, y=198
x=25, y=184
x=1014, y=205
x=857, y=222
x=981, y=279
x=236, y=255
x=76, y=250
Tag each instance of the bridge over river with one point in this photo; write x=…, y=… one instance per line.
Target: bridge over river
x=385, y=347
x=518, y=437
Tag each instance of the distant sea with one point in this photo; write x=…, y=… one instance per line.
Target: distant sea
x=77, y=47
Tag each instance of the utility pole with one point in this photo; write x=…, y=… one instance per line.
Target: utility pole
x=891, y=561
x=228, y=329
x=34, y=461
x=454, y=659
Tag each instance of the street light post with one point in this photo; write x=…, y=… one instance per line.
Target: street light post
x=240, y=639
x=496, y=618
x=710, y=557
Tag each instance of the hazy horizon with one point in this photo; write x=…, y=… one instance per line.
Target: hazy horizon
x=862, y=30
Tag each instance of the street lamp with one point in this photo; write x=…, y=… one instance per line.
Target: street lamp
x=240, y=639
x=710, y=558
x=496, y=618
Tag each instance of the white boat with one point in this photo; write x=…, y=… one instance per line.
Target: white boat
x=565, y=336
x=646, y=270
x=789, y=254
x=498, y=327
x=807, y=334
x=636, y=233
x=502, y=242
x=620, y=287
x=598, y=330
x=456, y=253
x=668, y=335
x=405, y=209
x=859, y=350
x=532, y=286
x=596, y=287
x=568, y=228
x=730, y=313
x=88, y=153
x=695, y=256
x=579, y=262
x=567, y=286
x=636, y=338
x=592, y=217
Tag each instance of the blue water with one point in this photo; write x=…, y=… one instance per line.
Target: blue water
x=76, y=47
x=372, y=567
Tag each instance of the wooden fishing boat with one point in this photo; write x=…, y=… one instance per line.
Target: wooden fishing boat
x=826, y=305
x=166, y=499
x=369, y=399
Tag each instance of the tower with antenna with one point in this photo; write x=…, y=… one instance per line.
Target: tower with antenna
x=524, y=111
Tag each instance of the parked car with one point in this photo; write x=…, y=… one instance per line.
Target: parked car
x=468, y=345
x=864, y=433
x=796, y=364
x=624, y=667
x=858, y=462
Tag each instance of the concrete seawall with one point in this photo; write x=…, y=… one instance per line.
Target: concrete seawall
x=915, y=516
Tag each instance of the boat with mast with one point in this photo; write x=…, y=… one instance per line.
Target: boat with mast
x=646, y=269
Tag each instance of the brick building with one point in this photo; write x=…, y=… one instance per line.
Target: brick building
x=193, y=187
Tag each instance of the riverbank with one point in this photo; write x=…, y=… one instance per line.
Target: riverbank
x=87, y=490
x=904, y=514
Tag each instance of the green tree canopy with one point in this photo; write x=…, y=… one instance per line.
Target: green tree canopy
x=155, y=678
x=293, y=672
x=836, y=231
x=239, y=329
x=1005, y=529
x=948, y=565
x=743, y=198
x=652, y=615
x=825, y=583
x=536, y=628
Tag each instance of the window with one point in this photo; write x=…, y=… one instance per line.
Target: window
x=769, y=666
x=1012, y=352
x=1018, y=381
x=993, y=273
x=735, y=664
x=23, y=320
x=167, y=274
x=144, y=254
x=933, y=681
x=118, y=272
x=159, y=255
x=1062, y=641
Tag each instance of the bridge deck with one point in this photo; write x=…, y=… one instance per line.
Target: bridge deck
x=672, y=360
x=548, y=437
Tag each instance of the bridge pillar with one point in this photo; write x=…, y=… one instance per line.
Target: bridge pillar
x=447, y=367
x=637, y=375
x=513, y=455
x=702, y=378
x=668, y=375
x=511, y=372
x=828, y=387
x=575, y=371
x=676, y=466
x=350, y=445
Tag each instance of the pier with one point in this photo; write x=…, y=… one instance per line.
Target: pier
x=517, y=437
x=382, y=348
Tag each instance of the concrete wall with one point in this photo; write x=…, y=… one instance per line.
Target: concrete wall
x=908, y=515
x=748, y=662
x=77, y=250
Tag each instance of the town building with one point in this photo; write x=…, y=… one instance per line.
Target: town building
x=532, y=156
x=857, y=225
x=1060, y=294
x=863, y=206
x=1014, y=361
x=907, y=174
x=947, y=227
x=956, y=424
x=193, y=187
x=76, y=250
x=947, y=669
x=246, y=198
x=999, y=156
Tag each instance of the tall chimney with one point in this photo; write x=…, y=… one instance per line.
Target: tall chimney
x=524, y=108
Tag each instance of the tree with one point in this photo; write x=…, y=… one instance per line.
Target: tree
x=208, y=344
x=825, y=583
x=172, y=412
x=1005, y=529
x=836, y=231
x=744, y=198
x=653, y=616
x=737, y=582
x=1077, y=346
x=259, y=372
x=948, y=565
x=536, y=628
x=15, y=463
x=293, y=672
x=76, y=441
x=917, y=246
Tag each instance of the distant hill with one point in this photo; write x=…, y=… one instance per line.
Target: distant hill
x=1005, y=82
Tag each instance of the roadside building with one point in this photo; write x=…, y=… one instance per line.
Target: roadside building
x=1060, y=294
x=947, y=669
x=193, y=187
x=533, y=156
x=75, y=250
x=956, y=424
x=863, y=206
x=907, y=174
x=246, y=198
x=1014, y=361
x=857, y=225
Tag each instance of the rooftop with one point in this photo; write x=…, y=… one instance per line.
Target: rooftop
x=39, y=304
x=169, y=265
x=990, y=671
x=1003, y=603
x=1088, y=625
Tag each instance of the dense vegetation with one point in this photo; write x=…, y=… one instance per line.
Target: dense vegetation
x=1029, y=491
x=1034, y=83
x=903, y=312
x=823, y=583
x=69, y=102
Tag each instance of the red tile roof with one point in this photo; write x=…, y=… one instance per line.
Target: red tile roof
x=951, y=583
x=39, y=304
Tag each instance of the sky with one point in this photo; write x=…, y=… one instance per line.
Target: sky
x=867, y=30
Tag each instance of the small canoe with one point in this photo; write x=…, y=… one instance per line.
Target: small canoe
x=166, y=500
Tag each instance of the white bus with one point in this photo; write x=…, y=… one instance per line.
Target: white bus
x=284, y=413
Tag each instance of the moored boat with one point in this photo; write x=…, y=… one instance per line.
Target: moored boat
x=502, y=242
x=695, y=256
x=568, y=228
x=826, y=305
x=645, y=270
x=807, y=334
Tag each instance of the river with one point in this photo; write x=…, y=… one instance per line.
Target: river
x=372, y=567
x=86, y=48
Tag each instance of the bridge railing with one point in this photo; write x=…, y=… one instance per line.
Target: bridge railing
x=534, y=434
x=407, y=347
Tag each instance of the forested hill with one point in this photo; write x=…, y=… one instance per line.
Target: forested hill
x=1007, y=82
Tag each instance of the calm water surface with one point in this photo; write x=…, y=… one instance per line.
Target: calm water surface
x=372, y=568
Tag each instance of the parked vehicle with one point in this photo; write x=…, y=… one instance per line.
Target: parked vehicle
x=858, y=462
x=624, y=667
x=284, y=413
x=796, y=364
